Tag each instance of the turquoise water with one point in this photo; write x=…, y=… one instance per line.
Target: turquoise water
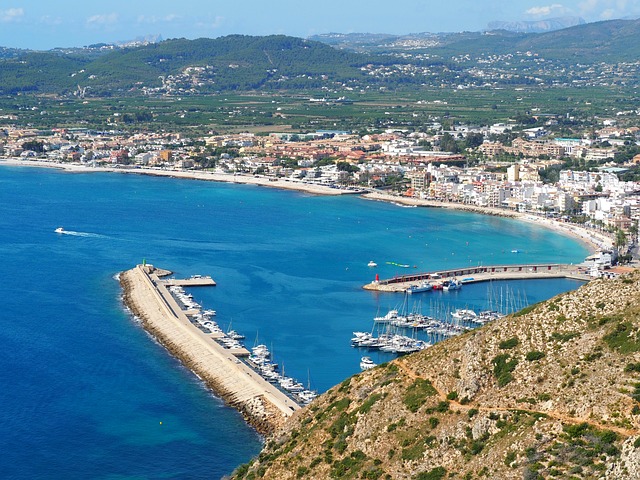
x=88, y=394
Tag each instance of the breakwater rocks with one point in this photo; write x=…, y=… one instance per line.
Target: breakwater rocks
x=229, y=378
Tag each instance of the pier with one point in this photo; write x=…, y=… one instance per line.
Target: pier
x=195, y=281
x=262, y=404
x=483, y=274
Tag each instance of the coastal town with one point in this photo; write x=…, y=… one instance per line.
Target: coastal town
x=501, y=169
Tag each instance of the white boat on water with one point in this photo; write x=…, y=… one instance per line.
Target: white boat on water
x=389, y=317
x=425, y=286
x=59, y=230
x=465, y=314
x=452, y=284
x=372, y=264
x=366, y=363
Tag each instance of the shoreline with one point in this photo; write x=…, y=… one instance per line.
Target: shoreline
x=242, y=179
x=594, y=241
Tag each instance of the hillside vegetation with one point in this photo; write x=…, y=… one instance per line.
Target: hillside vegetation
x=235, y=62
x=278, y=62
x=550, y=392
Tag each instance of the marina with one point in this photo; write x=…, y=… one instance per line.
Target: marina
x=448, y=279
x=170, y=314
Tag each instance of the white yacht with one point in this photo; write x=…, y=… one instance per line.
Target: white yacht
x=366, y=363
x=372, y=264
x=425, y=286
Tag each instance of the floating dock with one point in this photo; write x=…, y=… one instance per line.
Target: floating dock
x=261, y=403
x=483, y=274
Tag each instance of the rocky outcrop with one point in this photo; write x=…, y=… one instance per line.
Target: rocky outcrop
x=550, y=392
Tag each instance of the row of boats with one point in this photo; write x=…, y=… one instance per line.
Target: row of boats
x=391, y=341
x=388, y=342
x=203, y=320
x=260, y=357
x=260, y=360
x=426, y=286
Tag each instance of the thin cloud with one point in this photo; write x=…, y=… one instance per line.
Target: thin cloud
x=608, y=14
x=545, y=11
x=152, y=19
x=49, y=20
x=11, y=15
x=102, y=20
x=216, y=23
x=606, y=9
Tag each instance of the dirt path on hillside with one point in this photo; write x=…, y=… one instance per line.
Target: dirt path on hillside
x=626, y=432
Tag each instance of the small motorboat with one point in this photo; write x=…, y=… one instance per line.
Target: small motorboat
x=372, y=264
x=366, y=363
x=59, y=230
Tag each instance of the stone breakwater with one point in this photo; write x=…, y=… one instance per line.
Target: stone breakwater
x=261, y=404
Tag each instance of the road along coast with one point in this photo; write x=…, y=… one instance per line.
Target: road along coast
x=262, y=404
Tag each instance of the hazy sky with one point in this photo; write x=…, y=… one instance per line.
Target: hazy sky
x=44, y=24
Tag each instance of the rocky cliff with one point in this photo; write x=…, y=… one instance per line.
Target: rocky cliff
x=550, y=392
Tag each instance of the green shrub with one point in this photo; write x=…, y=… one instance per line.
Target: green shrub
x=503, y=365
x=437, y=473
x=623, y=338
x=509, y=344
x=526, y=310
x=368, y=403
x=534, y=355
x=414, y=452
x=452, y=395
x=564, y=336
x=510, y=458
x=632, y=367
x=417, y=393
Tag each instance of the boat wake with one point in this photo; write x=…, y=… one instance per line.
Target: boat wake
x=80, y=234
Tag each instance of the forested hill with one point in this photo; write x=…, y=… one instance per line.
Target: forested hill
x=234, y=62
x=278, y=62
x=613, y=40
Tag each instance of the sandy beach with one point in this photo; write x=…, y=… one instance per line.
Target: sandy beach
x=594, y=240
x=247, y=179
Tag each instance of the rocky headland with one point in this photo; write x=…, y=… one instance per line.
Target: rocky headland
x=550, y=392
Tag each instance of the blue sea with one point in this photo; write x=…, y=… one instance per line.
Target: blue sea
x=86, y=393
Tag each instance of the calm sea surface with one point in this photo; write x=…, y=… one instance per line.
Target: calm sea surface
x=86, y=393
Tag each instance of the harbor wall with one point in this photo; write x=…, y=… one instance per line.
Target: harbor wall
x=261, y=404
x=483, y=274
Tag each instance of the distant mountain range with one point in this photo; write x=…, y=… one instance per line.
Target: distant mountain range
x=538, y=26
x=613, y=40
x=241, y=63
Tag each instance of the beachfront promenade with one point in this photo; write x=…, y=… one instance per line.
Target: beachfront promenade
x=482, y=274
x=262, y=404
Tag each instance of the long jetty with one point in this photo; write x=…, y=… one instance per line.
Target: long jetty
x=260, y=402
x=483, y=274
